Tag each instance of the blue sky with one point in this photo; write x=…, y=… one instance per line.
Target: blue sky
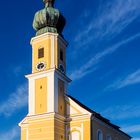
x=103, y=59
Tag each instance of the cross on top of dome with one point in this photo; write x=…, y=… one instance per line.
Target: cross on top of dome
x=49, y=3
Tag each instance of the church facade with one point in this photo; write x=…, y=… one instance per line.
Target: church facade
x=52, y=113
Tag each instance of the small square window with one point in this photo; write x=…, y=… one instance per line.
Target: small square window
x=61, y=55
x=41, y=53
x=40, y=87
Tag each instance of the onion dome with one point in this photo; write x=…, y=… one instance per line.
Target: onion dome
x=48, y=19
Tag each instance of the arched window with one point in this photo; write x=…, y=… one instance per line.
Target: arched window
x=99, y=135
x=74, y=135
x=108, y=137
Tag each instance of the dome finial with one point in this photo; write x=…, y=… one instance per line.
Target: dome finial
x=49, y=19
x=49, y=3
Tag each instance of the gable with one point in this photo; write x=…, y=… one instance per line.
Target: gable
x=74, y=109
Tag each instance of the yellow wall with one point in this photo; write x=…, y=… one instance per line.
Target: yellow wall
x=56, y=52
x=46, y=44
x=45, y=128
x=50, y=128
x=64, y=52
x=23, y=134
x=61, y=100
x=41, y=96
x=83, y=124
x=59, y=130
x=106, y=130
x=87, y=129
x=41, y=128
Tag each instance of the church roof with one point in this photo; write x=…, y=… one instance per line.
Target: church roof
x=98, y=116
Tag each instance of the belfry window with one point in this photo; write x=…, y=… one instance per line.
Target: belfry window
x=61, y=55
x=40, y=52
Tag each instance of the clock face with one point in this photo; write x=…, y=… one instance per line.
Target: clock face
x=40, y=66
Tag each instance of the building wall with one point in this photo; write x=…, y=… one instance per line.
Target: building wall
x=78, y=124
x=52, y=44
x=42, y=43
x=78, y=129
x=41, y=95
x=43, y=127
x=59, y=129
x=61, y=100
x=106, y=130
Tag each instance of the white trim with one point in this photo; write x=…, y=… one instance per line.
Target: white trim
x=52, y=51
x=52, y=89
x=45, y=115
x=31, y=99
x=39, y=40
x=78, y=118
x=41, y=37
x=55, y=93
x=78, y=107
x=40, y=74
x=80, y=129
x=50, y=92
x=45, y=73
x=41, y=117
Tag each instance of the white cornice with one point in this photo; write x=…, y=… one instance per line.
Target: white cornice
x=40, y=73
x=80, y=108
x=37, y=38
x=45, y=73
x=78, y=117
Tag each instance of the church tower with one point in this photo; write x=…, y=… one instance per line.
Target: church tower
x=52, y=113
x=48, y=81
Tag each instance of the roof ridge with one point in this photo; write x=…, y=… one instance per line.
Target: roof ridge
x=98, y=115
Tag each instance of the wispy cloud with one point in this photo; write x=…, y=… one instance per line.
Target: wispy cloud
x=136, y=138
x=16, y=100
x=17, y=70
x=11, y=134
x=122, y=112
x=87, y=67
x=132, y=129
x=111, y=19
x=132, y=78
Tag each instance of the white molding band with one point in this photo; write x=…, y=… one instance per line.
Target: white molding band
x=52, y=51
x=46, y=35
x=50, y=87
x=31, y=99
